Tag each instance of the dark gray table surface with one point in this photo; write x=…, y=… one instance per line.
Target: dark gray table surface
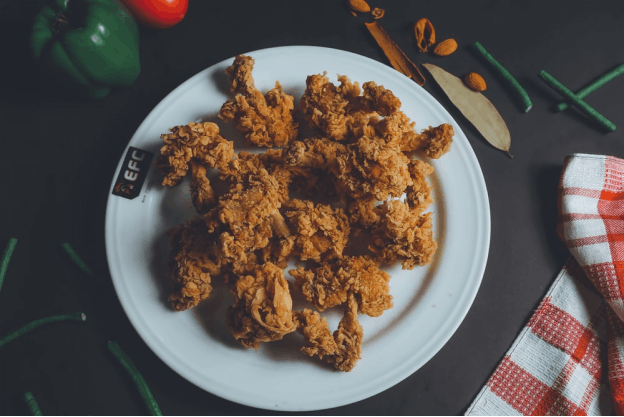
x=59, y=155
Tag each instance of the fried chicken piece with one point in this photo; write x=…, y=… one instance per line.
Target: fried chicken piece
x=325, y=105
x=202, y=193
x=194, y=260
x=369, y=167
x=348, y=337
x=319, y=340
x=418, y=195
x=403, y=235
x=330, y=284
x=262, y=310
x=320, y=231
x=378, y=99
x=433, y=142
x=200, y=142
x=263, y=120
x=248, y=163
x=314, y=152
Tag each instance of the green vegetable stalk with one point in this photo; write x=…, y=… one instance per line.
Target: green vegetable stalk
x=87, y=45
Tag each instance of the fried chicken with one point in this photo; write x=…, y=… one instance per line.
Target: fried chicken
x=194, y=260
x=319, y=340
x=250, y=212
x=343, y=347
x=320, y=231
x=325, y=106
x=358, y=175
x=262, y=310
x=370, y=168
x=348, y=337
x=330, y=284
x=199, y=142
x=263, y=120
x=433, y=142
x=403, y=235
x=202, y=193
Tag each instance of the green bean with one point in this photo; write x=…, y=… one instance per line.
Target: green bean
x=77, y=259
x=29, y=398
x=616, y=72
x=6, y=257
x=39, y=322
x=522, y=94
x=137, y=378
x=574, y=99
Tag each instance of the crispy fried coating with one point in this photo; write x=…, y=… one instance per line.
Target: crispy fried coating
x=330, y=284
x=262, y=310
x=378, y=99
x=250, y=212
x=320, y=231
x=200, y=142
x=403, y=235
x=264, y=120
x=194, y=260
x=325, y=105
x=433, y=142
x=319, y=340
x=418, y=195
x=202, y=193
x=370, y=168
x=348, y=337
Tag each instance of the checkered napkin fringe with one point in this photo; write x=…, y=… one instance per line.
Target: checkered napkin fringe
x=569, y=359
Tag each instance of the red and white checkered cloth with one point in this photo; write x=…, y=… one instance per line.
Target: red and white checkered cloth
x=569, y=359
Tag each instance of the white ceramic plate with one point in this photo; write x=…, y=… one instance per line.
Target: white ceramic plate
x=429, y=302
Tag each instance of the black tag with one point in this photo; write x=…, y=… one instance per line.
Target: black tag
x=132, y=173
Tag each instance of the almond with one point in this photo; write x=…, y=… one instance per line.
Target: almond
x=445, y=47
x=475, y=82
x=359, y=6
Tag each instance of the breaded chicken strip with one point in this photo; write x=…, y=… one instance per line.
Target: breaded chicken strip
x=262, y=310
x=264, y=120
x=433, y=142
x=403, y=235
x=325, y=106
x=330, y=284
x=348, y=339
x=250, y=213
x=199, y=142
x=194, y=260
x=369, y=167
x=319, y=340
x=319, y=231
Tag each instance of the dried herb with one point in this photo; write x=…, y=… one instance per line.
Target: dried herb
x=425, y=34
x=475, y=107
x=40, y=322
x=136, y=376
x=360, y=6
x=576, y=101
x=6, y=258
x=377, y=13
x=77, y=259
x=616, y=72
x=30, y=401
x=522, y=94
x=395, y=55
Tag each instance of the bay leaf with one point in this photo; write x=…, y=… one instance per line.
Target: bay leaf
x=475, y=107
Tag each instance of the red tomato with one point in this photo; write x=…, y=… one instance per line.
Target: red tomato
x=157, y=14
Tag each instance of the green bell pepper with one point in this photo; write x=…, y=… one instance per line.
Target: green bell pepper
x=87, y=45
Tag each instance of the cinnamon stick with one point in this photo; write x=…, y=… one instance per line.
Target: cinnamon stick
x=395, y=55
